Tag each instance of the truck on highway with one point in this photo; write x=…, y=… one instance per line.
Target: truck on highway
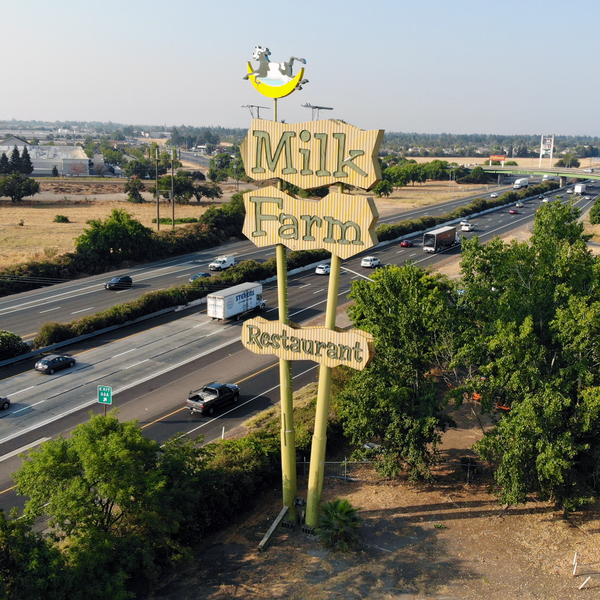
x=579, y=188
x=235, y=301
x=440, y=239
x=521, y=183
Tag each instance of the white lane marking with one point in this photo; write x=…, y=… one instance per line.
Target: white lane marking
x=23, y=449
x=49, y=310
x=136, y=364
x=122, y=353
x=269, y=253
x=21, y=391
x=272, y=309
x=200, y=324
x=303, y=286
x=27, y=407
x=413, y=254
x=82, y=310
x=319, y=291
x=184, y=275
x=124, y=388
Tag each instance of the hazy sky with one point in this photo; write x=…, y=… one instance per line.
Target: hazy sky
x=425, y=66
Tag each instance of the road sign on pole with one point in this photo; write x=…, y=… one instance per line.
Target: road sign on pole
x=104, y=394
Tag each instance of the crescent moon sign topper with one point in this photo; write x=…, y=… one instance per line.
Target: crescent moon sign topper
x=274, y=80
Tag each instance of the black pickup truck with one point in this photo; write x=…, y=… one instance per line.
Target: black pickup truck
x=207, y=399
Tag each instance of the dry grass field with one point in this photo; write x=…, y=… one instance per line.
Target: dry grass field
x=28, y=231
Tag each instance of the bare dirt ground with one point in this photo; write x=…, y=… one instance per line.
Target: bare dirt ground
x=447, y=540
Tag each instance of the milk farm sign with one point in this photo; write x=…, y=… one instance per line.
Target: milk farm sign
x=314, y=154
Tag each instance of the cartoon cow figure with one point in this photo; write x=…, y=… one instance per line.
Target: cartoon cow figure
x=274, y=71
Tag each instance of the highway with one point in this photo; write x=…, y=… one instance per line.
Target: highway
x=152, y=370
x=24, y=313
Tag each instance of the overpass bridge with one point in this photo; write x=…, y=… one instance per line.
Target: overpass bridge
x=563, y=173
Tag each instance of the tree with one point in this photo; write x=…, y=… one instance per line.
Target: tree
x=134, y=187
x=383, y=188
x=54, y=171
x=17, y=186
x=4, y=165
x=31, y=567
x=77, y=168
x=118, y=238
x=534, y=309
x=393, y=402
x=15, y=161
x=116, y=499
x=26, y=165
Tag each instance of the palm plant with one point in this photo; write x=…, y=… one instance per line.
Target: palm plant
x=338, y=525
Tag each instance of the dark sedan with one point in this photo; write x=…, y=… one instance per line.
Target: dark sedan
x=54, y=362
x=198, y=276
x=119, y=283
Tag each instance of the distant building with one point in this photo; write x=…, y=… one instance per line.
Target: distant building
x=70, y=161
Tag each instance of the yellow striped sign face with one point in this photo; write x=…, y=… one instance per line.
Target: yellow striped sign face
x=341, y=223
x=329, y=347
x=313, y=154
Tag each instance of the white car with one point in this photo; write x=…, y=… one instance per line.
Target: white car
x=370, y=262
x=519, y=204
x=588, y=170
x=493, y=195
x=569, y=191
x=323, y=270
x=546, y=199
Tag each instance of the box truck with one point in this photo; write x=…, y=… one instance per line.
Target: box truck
x=235, y=301
x=440, y=239
x=579, y=188
x=521, y=183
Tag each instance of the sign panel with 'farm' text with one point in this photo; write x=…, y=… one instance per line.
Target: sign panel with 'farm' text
x=344, y=224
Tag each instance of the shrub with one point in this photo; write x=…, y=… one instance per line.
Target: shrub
x=338, y=525
x=11, y=345
x=61, y=219
x=52, y=333
x=595, y=213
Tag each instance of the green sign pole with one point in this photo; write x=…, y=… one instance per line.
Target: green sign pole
x=104, y=396
x=319, y=441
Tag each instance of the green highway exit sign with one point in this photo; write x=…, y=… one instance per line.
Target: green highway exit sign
x=104, y=394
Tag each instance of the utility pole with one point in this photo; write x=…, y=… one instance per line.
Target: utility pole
x=157, y=195
x=173, y=189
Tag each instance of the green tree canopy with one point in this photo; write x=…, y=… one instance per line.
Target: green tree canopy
x=17, y=186
x=393, y=402
x=118, y=238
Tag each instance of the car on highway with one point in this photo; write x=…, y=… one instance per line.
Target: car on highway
x=587, y=198
x=493, y=195
x=588, y=170
x=569, y=191
x=54, y=362
x=406, y=244
x=370, y=262
x=519, y=204
x=513, y=211
x=323, y=270
x=4, y=403
x=545, y=200
x=541, y=197
x=212, y=396
x=198, y=276
x=119, y=283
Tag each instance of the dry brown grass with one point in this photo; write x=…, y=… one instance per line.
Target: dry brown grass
x=27, y=230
